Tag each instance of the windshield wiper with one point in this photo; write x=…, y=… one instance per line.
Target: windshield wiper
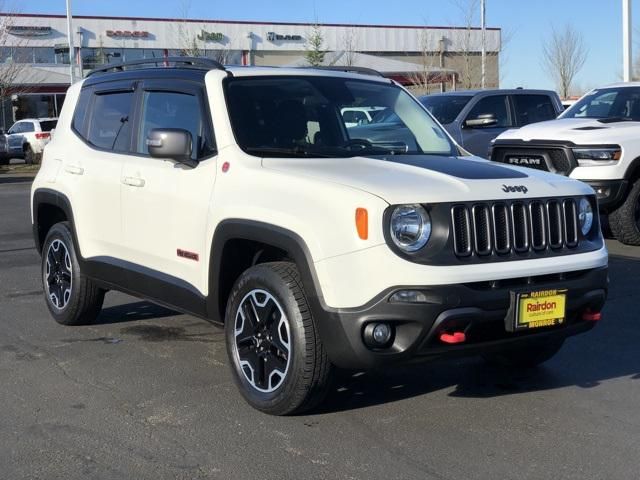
x=296, y=151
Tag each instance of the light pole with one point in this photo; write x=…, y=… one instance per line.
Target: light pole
x=483, y=24
x=72, y=76
x=626, y=40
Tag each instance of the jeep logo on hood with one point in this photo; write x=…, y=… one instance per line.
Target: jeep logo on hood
x=514, y=188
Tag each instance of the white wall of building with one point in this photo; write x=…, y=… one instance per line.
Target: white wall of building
x=251, y=36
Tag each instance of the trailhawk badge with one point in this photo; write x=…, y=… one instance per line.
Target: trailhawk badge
x=514, y=188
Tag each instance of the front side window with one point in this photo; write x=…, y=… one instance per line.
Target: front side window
x=621, y=103
x=445, y=107
x=162, y=109
x=305, y=116
x=496, y=105
x=110, y=123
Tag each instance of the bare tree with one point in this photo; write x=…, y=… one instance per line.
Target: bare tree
x=421, y=80
x=12, y=70
x=468, y=11
x=350, y=46
x=563, y=55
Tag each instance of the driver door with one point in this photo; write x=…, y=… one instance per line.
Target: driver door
x=165, y=203
x=478, y=139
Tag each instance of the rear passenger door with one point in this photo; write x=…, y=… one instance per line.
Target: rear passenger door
x=165, y=203
x=17, y=135
x=103, y=119
x=478, y=139
x=532, y=108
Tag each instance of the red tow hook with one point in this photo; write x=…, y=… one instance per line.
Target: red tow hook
x=455, y=337
x=591, y=316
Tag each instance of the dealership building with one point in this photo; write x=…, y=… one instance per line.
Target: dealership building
x=35, y=57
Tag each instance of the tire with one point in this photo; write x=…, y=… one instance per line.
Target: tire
x=72, y=298
x=625, y=220
x=4, y=160
x=296, y=372
x=29, y=156
x=525, y=357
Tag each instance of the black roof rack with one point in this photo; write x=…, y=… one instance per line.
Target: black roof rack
x=192, y=62
x=336, y=68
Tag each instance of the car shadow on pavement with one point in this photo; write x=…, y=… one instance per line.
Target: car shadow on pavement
x=609, y=351
x=131, y=312
x=15, y=179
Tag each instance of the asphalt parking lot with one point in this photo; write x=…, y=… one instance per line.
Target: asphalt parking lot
x=146, y=393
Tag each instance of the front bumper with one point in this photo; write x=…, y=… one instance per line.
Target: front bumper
x=610, y=193
x=478, y=309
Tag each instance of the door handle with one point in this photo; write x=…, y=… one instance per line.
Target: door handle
x=133, y=181
x=74, y=170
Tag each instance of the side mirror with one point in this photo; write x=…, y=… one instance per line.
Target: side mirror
x=484, y=120
x=171, y=143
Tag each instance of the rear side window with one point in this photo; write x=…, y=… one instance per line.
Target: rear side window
x=110, y=124
x=48, y=125
x=80, y=113
x=533, y=108
x=493, y=105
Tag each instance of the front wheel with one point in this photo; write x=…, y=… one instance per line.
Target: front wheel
x=624, y=221
x=525, y=357
x=29, y=156
x=72, y=298
x=276, y=355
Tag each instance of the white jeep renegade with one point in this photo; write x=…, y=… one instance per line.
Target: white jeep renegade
x=597, y=140
x=239, y=195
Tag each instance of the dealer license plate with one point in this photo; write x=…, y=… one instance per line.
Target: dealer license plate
x=545, y=308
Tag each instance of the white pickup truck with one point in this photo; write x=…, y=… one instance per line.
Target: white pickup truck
x=597, y=140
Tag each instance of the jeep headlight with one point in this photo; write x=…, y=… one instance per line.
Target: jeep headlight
x=410, y=227
x=585, y=215
x=597, y=156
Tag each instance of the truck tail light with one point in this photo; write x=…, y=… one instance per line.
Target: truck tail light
x=43, y=135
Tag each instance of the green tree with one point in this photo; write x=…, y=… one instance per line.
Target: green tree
x=315, y=53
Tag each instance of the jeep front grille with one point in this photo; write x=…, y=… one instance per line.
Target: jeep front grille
x=518, y=227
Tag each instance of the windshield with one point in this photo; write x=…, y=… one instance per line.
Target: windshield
x=313, y=116
x=445, y=107
x=622, y=103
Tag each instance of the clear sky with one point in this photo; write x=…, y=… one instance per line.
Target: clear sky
x=525, y=24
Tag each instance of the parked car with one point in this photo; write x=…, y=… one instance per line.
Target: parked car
x=313, y=250
x=4, y=149
x=597, y=140
x=353, y=116
x=474, y=118
x=27, y=138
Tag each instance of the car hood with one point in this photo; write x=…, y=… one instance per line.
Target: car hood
x=431, y=179
x=581, y=131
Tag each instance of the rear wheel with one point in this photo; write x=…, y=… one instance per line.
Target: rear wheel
x=29, y=156
x=277, y=358
x=625, y=220
x=72, y=298
x=525, y=357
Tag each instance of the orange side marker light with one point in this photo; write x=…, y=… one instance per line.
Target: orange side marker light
x=362, y=223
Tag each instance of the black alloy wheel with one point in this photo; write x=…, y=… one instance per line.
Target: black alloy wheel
x=58, y=275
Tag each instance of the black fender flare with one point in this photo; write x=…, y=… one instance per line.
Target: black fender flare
x=291, y=242
x=47, y=196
